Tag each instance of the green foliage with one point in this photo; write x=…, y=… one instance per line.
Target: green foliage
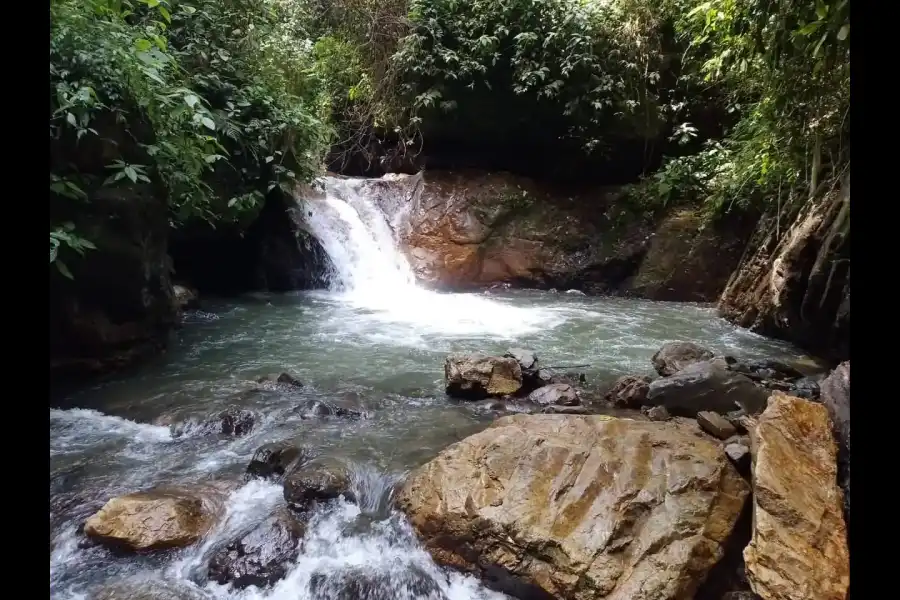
x=214, y=103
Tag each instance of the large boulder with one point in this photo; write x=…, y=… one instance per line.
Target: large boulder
x=799, y=546
x=674, y=356
x=836, y=398
x=706, y=386
x=261, y=557
x=629, y=391
x=150, y=520
x=476, y=376
x=560, y=394
x=579, y=507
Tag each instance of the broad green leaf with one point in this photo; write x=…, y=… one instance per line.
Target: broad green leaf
x=208, y=123
x=63, y=269
x=142, y=45
x=131, y=174
x=165, y=14
x=810, y=28
x=71, y=119
x=191, y=100
x=844, y=32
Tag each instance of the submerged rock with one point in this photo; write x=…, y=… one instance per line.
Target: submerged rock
x=799, y=546
x=561, y=394
x=261, y=557
x=236, y=421
x=706, y=386
x=628, y=392
x=284, y=378
x=402, y=582
x=150, y=520
x=275, y=459
x=675, y=356
x=579, y=507
x=318, y=480
x=476, y=376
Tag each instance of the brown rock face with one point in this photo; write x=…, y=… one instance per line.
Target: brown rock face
x=475, y=376
x=794, y=282
x=580, y=507
x=150, y=520
x=799, y=546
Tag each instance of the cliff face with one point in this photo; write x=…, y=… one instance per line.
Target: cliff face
x=794, y=280
x=472, y=229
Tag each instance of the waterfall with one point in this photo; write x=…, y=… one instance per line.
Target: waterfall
x=357, y=222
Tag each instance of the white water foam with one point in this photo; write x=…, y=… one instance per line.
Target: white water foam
x=373, y=274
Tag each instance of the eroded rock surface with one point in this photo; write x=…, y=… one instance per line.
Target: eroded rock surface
x=476, y=376
x=318, y=480
x=150, y=520
x=579, y=507
x=706, y=386
x=675, y=356
x=799, y=546
x=836, y=398
x=628, y=391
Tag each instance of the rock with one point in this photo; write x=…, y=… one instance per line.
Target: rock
x=836, y=398
x=319, y=480
x=742, y=595
x=656, y=413
x=793, y=282
x=476, y=376
x=262, y=556
x=184, y=297
x=555, y=409
x=561, y=394
x=739, y=454
x=368, y=584
x=324, y=408
x=715, y=424
x=236, y=421
x=766, y=369
x=703, y=386
x=532, y=376
x=807, y=388
x=284, y=378
x=799, y=546
x=674, y=356
x=628, y=392
x=150, y=520
x=579, y=507
x=275, y=459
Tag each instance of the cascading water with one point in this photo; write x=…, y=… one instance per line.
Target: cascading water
x=372, y=273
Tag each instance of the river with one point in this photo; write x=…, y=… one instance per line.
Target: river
x=376, y=342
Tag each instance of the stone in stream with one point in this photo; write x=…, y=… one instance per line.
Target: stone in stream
x=561, y=394
x=236, y=421
x=476, y=376
x=656, y=413
x=532, y=376
x=318, y=480
x=284, y=378
x=404, y=581
x=799, y=546
x=150, y=520
x=632, y=510
x=715, y=424
x=629, y=391
x=261, y=557
x=706, y=386
x=675, y=356
x=275, y=459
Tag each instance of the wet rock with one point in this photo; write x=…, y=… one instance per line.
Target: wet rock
x=236, y=421
x=403, y=581
x=150, y=520
x=318, y=480
x=561, y=394
x=656, y=413
x=499, y=500
x=325, y=409
x=261, y=557
x=555, y=409
x=703, y=386
x=275, y=459
x=767, y=369
x=715, y=424
x=476, y=376
x=836, y=398
x=807, y=388
x=674, y=356
x=282, y=378
x=628, y=392
x=799, y=546
x=184, y=297
x=532, y=377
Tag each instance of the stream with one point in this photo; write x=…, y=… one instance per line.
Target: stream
x=375, y=342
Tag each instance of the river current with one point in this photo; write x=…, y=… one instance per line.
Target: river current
x=375, y=342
